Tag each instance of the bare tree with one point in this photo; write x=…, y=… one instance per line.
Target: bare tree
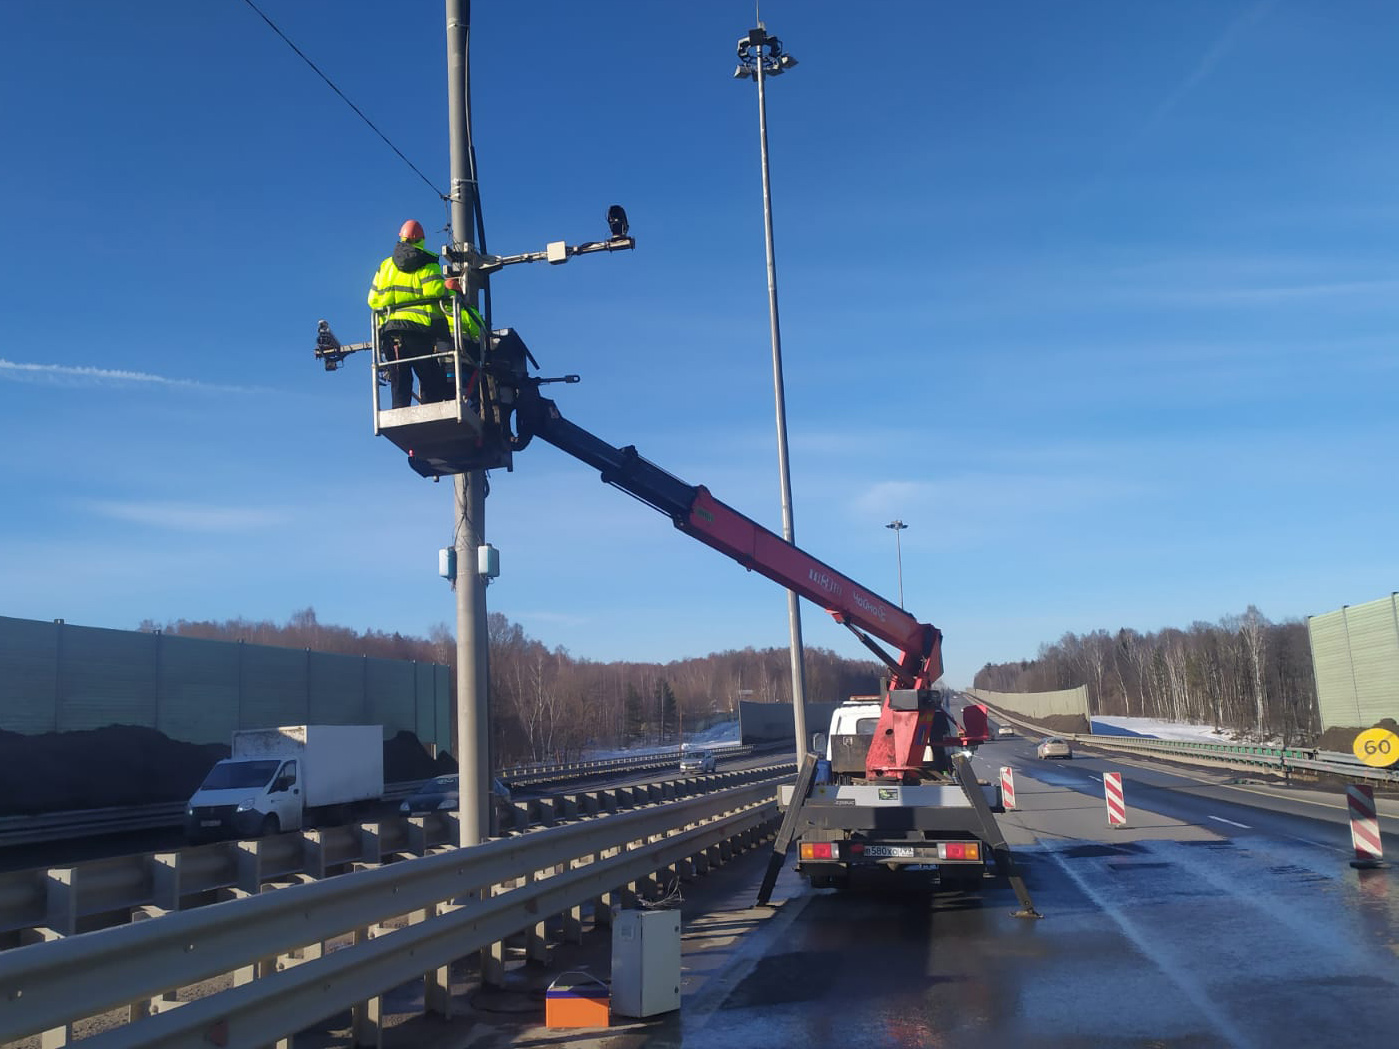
x=1254, y=629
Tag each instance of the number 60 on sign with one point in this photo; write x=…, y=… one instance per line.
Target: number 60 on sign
x=1377, y=747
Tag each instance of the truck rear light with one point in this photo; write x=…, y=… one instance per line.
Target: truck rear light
x=818, y=850
x=960, y=850
x=857, y=847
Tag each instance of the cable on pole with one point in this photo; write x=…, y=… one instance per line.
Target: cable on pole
x=342, y=95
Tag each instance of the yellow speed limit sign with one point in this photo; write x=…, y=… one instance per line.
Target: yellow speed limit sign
x=1377, y=747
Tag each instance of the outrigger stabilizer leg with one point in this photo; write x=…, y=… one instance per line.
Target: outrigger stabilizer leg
x=991, y=834
x=800, y=792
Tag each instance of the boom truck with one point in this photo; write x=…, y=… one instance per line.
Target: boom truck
x=903, y=800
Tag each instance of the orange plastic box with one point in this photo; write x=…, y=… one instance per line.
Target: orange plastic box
x=577, y=999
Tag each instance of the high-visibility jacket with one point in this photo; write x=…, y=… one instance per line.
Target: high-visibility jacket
x=409, y=273
x=470, y=318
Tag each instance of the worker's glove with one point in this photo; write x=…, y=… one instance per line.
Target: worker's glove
x=453, y=284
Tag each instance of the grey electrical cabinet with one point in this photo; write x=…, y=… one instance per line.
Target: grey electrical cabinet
x=645, y=962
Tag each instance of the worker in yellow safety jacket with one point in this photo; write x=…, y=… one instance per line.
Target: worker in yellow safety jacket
x=471, y=332
x=407, y=331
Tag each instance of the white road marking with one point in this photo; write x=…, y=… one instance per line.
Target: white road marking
x=1221, y=819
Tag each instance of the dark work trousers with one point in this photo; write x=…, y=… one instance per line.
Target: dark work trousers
x=407, y=343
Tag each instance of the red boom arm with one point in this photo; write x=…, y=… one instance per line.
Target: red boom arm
x=753, y=546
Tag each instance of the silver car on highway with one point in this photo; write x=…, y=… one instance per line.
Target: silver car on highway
x=1053, y=747
x=698, y=761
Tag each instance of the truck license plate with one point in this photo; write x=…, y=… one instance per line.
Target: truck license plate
x=889, y=851
x=208, y=823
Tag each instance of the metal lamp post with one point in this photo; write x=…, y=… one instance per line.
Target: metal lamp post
x=899, y=526
x=760, y=56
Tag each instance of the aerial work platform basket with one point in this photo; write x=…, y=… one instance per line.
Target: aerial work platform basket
x=470, y=429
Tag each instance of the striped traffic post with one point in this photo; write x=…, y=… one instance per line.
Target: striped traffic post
x=1364, y=827
x=1117, y=807
x=1007, y=787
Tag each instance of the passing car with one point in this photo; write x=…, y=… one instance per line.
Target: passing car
x=441, y=794
x=697, y=761
x=1004, y=732
x=1053, y=747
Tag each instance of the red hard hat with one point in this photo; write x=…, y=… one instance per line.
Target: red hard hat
x=411, y=230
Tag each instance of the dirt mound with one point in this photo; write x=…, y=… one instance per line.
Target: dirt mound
x=99, y=768
x=1341, y=739
x=1065, y=724
x=405, y=758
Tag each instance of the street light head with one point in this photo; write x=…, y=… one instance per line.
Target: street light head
x=743, y=72
x=786, y=61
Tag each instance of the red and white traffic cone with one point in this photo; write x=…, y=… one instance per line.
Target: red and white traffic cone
x=1007, y=788
x=1364, y=827
x=1117, y=805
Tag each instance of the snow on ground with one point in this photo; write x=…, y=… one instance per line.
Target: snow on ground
x=1121, y=726
x=724, y=734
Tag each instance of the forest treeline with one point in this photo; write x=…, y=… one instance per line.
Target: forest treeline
x=1243, y=674
x=548, y=703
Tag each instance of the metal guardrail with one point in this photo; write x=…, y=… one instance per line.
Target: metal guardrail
x=65, y=899
x=529, y=775
x=1279, y=760
x=81, y=823
x=454, y=903
x=1282, y=761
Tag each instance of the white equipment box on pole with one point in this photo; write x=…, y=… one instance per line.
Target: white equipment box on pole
x=645, y=962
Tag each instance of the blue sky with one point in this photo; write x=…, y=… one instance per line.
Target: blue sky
x=1098, y=298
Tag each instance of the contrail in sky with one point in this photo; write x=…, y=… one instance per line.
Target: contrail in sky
x=1216, y=53
x=1205, y=67
x=75, y=375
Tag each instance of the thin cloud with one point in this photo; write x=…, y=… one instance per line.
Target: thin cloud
x=77, y=375
x=187, y=517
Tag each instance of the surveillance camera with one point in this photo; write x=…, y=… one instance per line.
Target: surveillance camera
x=617, y=220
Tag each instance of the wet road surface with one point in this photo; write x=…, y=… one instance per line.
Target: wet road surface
x=1177, y=931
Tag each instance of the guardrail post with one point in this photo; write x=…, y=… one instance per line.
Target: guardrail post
x=699, y=862
x=602, y=902
x=370, y=844
x=537, y=935
x=571, y=930
x=61, y=903
x=437, y=983
x=417, y=835
x=165, y=881
x=493, y=957
x=166, y=999
x=57, y=1036
x=367, y=1017
x=248, y=857
x=313, y=853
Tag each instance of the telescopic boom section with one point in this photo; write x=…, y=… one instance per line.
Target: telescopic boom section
x=697, y=513
x=753, y=546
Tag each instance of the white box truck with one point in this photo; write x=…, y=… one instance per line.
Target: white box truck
x=281, y=779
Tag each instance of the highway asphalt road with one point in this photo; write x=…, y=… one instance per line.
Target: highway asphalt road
x=1220, y=916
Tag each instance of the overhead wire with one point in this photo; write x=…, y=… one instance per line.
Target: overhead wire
x=331, y=84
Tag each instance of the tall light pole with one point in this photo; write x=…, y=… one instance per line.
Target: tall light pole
x=759, y=57
x=899, y=526
x=472, y=741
